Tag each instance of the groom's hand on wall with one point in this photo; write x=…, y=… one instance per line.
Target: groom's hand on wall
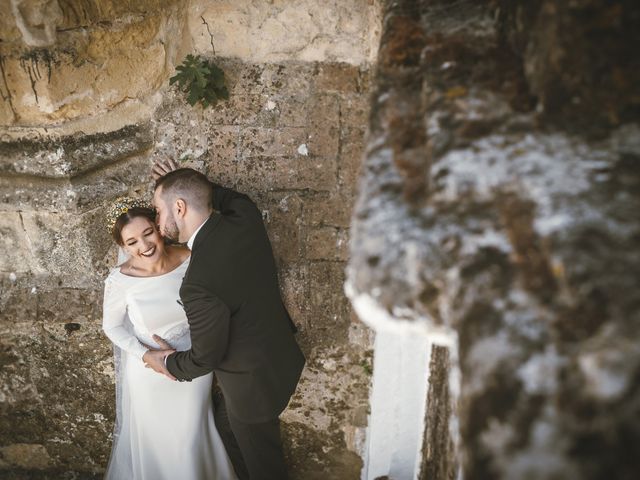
x=162, y=167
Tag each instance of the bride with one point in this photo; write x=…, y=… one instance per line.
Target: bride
x=164, y=429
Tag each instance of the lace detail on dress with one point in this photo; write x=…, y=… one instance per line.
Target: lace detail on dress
x=179, y=337
x=175, y=333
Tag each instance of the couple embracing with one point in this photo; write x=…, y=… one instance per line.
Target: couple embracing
x=178, y=314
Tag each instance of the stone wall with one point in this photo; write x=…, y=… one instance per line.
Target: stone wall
x=66, y=61
x=498, y=216
x=291, y=136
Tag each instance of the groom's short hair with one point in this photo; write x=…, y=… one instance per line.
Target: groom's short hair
x=188, y=184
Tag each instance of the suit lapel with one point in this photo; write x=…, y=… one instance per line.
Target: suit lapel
x=208, y=227
x=211, y=223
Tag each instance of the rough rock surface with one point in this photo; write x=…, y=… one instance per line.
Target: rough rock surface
x=499, y=200
x=61, y=61
x=305, y=30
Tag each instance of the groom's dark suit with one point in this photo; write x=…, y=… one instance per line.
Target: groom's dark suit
x=239, y=326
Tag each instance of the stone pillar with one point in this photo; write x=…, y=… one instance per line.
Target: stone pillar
x=498, y=207
x=410, y=402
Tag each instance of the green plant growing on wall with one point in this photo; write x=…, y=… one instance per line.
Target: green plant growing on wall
x=201, y=80
x=367, y=362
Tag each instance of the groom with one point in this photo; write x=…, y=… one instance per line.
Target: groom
x=239, y=326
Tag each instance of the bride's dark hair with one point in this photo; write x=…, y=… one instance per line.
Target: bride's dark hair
x=125, y=218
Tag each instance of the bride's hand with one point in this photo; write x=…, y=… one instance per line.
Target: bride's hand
x=162, y=167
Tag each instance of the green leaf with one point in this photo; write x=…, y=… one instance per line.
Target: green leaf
x=193, y=97
x=216, y=77
x=210, y=96
x=197, y=90
x=201, y=80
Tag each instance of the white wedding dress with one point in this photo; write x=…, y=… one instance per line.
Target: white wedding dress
x=164, y=429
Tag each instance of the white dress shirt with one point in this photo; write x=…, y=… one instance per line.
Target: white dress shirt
x=193, y=237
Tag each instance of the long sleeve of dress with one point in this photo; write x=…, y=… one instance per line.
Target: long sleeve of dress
x=114, y=311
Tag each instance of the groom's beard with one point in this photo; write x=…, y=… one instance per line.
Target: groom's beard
x=171, y=231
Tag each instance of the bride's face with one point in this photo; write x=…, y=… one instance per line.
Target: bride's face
x=141, y=240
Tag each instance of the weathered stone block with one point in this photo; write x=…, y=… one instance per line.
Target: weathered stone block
x=18, y=256
x=67, y=244
x=223, y=143
x=303, y=109
x=257, y=142
x=282, y=218
x=32, y=194
x=324, y=126
x=70, y=16
x=283, y=173
x=328, y=209
x=351, y=157
x=354, y=111
x=18, y=303
x=211, y=149
x=270, y=78
x=176, y=135
x=327, y=243
x=222, y=157
x=322, y=456
x=81, y=305
x=85, y=74
x=26, y=455
x=74, y=428
x=52, y=241
x=9, y=29
x=7, y=115
x=125, y=178
x=289, y=110
x=29, y=194
x=337, y=77
x=329, y=315
x=70, y=156
x=438, y=457
x=239, y=109
x=266, y=32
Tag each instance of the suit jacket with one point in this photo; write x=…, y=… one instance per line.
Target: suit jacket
x=239, y=326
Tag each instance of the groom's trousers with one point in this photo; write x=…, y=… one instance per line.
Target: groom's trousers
x=255, y=449
x=221, y=417
x=261, y=448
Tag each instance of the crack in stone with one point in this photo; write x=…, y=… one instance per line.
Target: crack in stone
x=8, y=96
x=26, y=234
x=210, y=35
x=339, y=152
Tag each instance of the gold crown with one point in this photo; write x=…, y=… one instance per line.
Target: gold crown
x=121, y=206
